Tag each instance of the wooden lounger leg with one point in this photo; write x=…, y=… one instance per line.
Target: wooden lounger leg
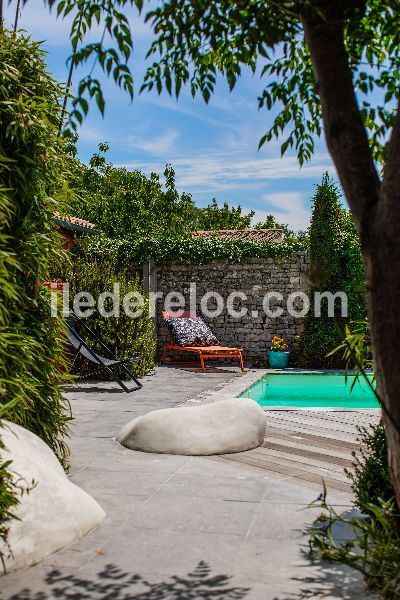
x=241, y=361
x=202, y=362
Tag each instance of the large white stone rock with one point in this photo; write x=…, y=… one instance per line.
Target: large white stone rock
x=55, y=513
x=231, y=425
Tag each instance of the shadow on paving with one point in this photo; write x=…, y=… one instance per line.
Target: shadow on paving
x=330, y=581
x=112, y=583
x=194, y=368
x=96, y=388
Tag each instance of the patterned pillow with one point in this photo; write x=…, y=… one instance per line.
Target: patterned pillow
x=191, y=331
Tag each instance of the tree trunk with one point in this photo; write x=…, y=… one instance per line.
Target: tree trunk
x=383, y=284
x=376, y=211
x=382, y=257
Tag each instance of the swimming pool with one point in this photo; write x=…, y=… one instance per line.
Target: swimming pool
x=311, y=390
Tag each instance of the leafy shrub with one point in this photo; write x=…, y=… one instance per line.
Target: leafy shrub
x=214, y=216
x=8, y=501
x=12, y=487
x=31, y=170
x=126, y=336
x=336, y=266
x=356, y=350
x=374, y=549
x=370, y=473
x=31, y=167
x=123, y=202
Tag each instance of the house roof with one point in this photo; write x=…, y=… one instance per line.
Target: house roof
x=251, y=235
x=74, y=223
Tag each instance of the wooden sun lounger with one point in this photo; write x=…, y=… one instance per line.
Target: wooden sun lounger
x=203, y=352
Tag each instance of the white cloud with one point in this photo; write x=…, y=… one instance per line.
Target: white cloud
x=156, y=146
x=183, y=106
x=213, y=171
x=286, y=207
x=92, y=134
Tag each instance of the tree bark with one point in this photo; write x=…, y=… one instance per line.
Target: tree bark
x=382, y=251
x=383, y=309
x=375, y=207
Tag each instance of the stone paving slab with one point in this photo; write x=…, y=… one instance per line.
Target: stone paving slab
x=179, y=527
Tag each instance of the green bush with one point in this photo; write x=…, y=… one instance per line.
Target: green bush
x=12, y=487
x=9, y=499
x=123, y=202
x=336, y=266
x=373, y=547
x=214, y=217
x=31, y=171
x=370, y=473
x=31, y=176
x=126, y=336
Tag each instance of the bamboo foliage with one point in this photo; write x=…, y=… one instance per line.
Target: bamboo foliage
x=31, y=175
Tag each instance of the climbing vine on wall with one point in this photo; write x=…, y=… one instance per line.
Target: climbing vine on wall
x=188, y=250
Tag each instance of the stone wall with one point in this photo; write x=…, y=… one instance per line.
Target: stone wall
x=255, y=277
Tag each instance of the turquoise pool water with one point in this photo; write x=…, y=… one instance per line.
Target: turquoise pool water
x=311, y=390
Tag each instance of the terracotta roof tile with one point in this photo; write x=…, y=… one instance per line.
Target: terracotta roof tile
x=74, y=220
x=251, y=235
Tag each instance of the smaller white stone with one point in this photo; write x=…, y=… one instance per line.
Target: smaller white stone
x=55, y=512
x=226, y=426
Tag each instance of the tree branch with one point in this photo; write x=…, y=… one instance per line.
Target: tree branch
x=344, y=130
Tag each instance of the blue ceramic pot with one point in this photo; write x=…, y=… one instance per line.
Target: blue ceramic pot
x=278, y=360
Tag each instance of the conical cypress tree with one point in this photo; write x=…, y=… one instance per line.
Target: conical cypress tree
x=335, y=266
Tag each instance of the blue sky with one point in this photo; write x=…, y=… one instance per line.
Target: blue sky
x=213, y=148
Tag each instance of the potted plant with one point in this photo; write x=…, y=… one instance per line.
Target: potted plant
x=278, y=358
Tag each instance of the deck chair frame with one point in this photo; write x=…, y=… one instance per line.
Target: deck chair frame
x=104, y=364
x=203, y=352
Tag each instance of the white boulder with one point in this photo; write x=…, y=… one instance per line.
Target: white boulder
x=231, y=425
x=55, y=512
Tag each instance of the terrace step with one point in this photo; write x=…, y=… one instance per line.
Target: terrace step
x=313, y=446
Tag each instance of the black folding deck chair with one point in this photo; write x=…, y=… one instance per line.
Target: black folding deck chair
x=104, y=364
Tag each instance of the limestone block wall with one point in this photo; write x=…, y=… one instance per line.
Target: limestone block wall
x=255, y=278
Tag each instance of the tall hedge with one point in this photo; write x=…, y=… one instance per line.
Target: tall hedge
x=31, y=168
x=335, y=265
